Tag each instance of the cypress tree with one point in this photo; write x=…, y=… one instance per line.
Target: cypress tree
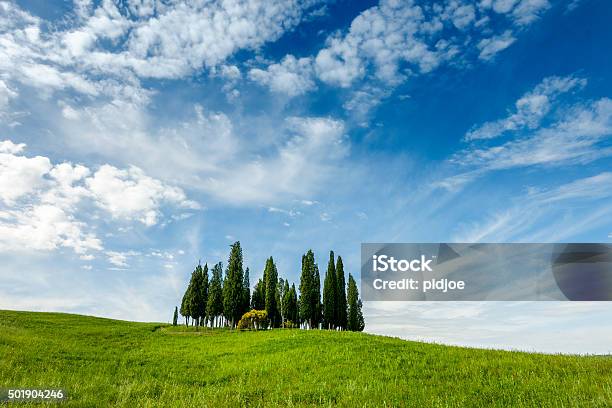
x=204, y=293
x=341, y=319
x=185, y=306
x=317, y=306
x=360, y=321
x=191, y=297
x=246, y=292
x=292, y=308
x=214, y=307
x=306, y=310
x=232, y=287
x=271, y=281
x=285, y=300
x=175, y=317
x=353, y=305
x=330, y=286
x=258, y=301
x=197, y=307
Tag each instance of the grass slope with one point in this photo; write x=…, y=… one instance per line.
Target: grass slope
x=101, y=362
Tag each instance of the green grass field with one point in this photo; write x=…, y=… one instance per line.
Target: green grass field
x=101, y=362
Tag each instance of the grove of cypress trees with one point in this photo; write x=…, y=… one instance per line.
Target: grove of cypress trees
x=232, y=287
x=341, y=303
x=207, y=300
x=330, y=287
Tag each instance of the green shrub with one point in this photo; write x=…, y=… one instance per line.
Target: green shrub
x=254, y=320
x=288, y=324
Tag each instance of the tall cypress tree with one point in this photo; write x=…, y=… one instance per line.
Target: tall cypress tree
x=197, y=307
x=271, y=276
x=285, y=299
x=232, y=287
x=185, y=306
x=258, y=301
x=317, y=306
x=307, y=306
x=360, y=320
x=204, y=284
x=246, y=292
x=341, y=304
x=353, y=305
x=330, y=288
x=192, y=295
x=214, y=307
x=292, y=309
x=175, y=317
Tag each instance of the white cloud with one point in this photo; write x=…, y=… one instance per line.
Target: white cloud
x=119, y=259
x=20, y=175
x=41, y=204
x=462, y=15
x=383, y=36
x=528, y=11
x=292, y=76
x=573, y=140
x=489, y=47
x=530, y=109
x=168, y=40
x=522, y=12
x=44, y=227
x=132, y=195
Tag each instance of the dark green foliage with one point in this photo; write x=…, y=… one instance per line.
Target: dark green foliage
x=197, y=294
x=214, y=307
x=175, y=317
x=285, y=295
x=292, y=306
x=354, y=306
x=258, y=301
x=309, y=291
x=318, y=309
x=232, y=286
x=185, y=306
x=246, y=292
x=330, y=288
x=204, y=283
x=360, y=320
x=341, y=302
x=271, y=281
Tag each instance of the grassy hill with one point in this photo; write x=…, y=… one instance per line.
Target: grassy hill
x=102, y=362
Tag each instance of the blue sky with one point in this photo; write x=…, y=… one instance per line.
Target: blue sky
x=137, y=137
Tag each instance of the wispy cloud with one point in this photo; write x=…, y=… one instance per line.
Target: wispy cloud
x=530, y=109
